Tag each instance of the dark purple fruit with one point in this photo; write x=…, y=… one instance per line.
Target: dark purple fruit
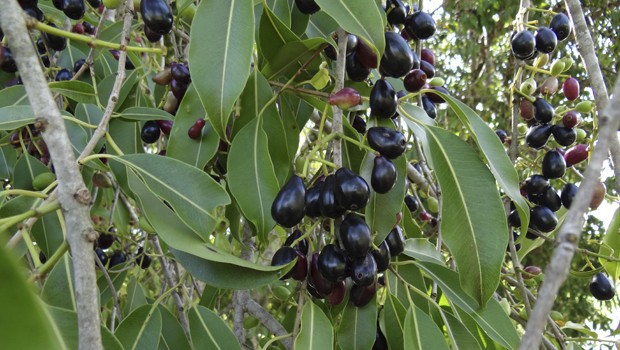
x=546, y=41
x=105, y=240
x=329, y=207
x=380, y=341
x=34, y=12
x=389, y=142
x=151, y=35
x=142, y=259
x=568, y=193
x=117, y=258
x=513, y=219
x=396, y=241
x=63, y=75
x=337, y=295
x=180, y=73
x=526, y=109
x=563, y=135
x=355, y=236
x=59, y=4
x=74, y=9
x=397, y=59
x=315, y=279
x=503, y=136
x=523, y=44
x=89, y=28
x=560, y=25
x=54, y=42
x=538, y=135
x=383, y=175
x=42, y=257
x=351, y=190
x=195, y=131
x=362, y=295
x=332, y=264
x=283, y=256
x=550, y=199
x=411, y=203
x=178, y=89
x=427, y=55
x=435, y=98
x=429, y=107
x=150, y=132
x=553, y=165
x=365, y=54
x=103, y=257
x=78, y=65
x=571, y=119
x=356, y=71
x=352, y=42
x=427, y=68
x=415, y=80
x=543, y=110
x=156, y=15
x=312, y=200
x=364, y=270
x=543, y=219
x=383, y=101
x=382, y=256
x=302, y=246
x=536, y=184
x=421, y=25
x=396, y=12
x=307, y=7
x=288, y=206
x=165, y=126
x=330, y=52
x=95, y=3
x=359, y=124
x=601, y=288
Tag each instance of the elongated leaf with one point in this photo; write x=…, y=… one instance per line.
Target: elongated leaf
x=469, y=226
x=117, y=277
x=145, y=114
x=222, y=38
x=12, y=117
x=26, y=169
x=251, y=177
x=196, y=152
x=67, y=324
x=359, y=17
x=58, y=287
x=170, y=179
x=491, y=319
x=26, y=323
x=290, y=57
x=14, y=95
x=171, y=331
x=422, y=332
x=140, y=329
x=8, y=158
x=611, y=247
x=460, y=337
x=202, y=260
x=104, y=88
x=358, y=326
x=273, y=34
x=135, y=295
x=208, y=330
x=422, y=249
x=495, y=154
x=394, y=319
x=321, y=25
x=88, y=113
x=316, y=331
x=75, y=90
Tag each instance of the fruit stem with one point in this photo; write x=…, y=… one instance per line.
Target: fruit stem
x=50, y=263
x=92, y=42
x=95, y=156
x=359, y=144
x=544, y=71
x=18, y=192
x=326, y=162
x=534, y=9
x=113, y=144
x=301, y=90
x=38, y=212
x=526, y=96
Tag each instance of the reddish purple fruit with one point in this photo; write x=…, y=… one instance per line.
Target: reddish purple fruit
x=576, y=155
x=165, y=125
x=365, y=55
x=415, y=80
x=526, y=109
x=571, y=119
x=531, y=271
x=571, y=89
x=345, y=98
x=195, y=131
x=428, y=56
x=337, y=295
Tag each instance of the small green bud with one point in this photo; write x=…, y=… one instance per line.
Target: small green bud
x=584, y=106
x=557, y=68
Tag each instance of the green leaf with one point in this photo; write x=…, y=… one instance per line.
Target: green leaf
x=26, y=323
x=146, y=114
x=321, y=25
x=394, y=320
x=140, y=329
x=135, y=295
x=67, y=324
x=171, y=331
x=611, y=247
x=460, y=337
x=26, y=169
x=251, y=177
x=360, y=17
x=209, y=331
x=180, y=146
x=580, y=328
x=13, y=117
x=8, y=158
x=498, y=161
x=221, y=44
x=422, y=249
x=168, y=178
x=105, y=86
x=422, y=332
x=358, y=327
x=117, y=277
x=89, y=113
x=273, y=34
x=491, y=319
x=382, y=209
x=75, y=90
x=469, y=225
x=58, y=288
x=290, y=57
x=14, y=95
x=316, y=330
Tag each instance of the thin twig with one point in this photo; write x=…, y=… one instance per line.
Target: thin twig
x=339, y=84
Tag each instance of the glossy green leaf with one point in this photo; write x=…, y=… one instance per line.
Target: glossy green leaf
x=26, y=169
x=422, y=332
x=26, y=323
x=105, y=86
x=67, y=323
x=394, y=320
x=491, y=319
x=611, y=247
x=196, y=152
x=58, y=288
x=13, y=117
x=117, y=277
x=497, y=159
x=88, y=113
x=209, y=331
x=222, y=38
x=469, y=226
x=460, y=337
x=321, y=25
x=360, y=17
x=75, y=90
x=358, y=326
x=297, y=109
x=126, y=136
x=422, y=249
x=140, y=329
x=273, y=34
x=316, y=330
x=8, y=158
x=251, y=177
x=168, y=178
x=14, y=95
x=580, y=328
x=281, y=9
x=135, y=295
x=290, y=57
x=145, y=114
x=171, y=331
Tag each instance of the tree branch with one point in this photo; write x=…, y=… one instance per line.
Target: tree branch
x=337, y=118
x=73, y=195
x=570, y=231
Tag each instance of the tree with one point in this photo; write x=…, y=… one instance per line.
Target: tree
x=301, y=174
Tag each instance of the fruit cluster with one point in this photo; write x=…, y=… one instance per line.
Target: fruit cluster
x=106, y=240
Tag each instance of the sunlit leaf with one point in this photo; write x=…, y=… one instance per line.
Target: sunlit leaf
x=140, y=329
x=314, y=323
x=208, y=330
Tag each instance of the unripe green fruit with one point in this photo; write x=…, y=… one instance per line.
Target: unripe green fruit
x=581, y=134
x=43, y=180
x=557, y=68
x=505, y=306
x=522, y=128
x=250, y=322
x=528, y=87
x=541, y=60
x=556, y=315
x=560, y=109
x=432, y=205
x=584, y=106
x=111, y=4
x=281, y=292
x=437, y=81
x=188, y=13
